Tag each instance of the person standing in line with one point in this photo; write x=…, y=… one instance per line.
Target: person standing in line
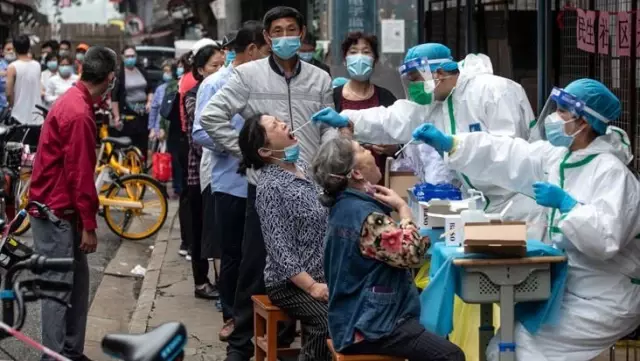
x=50, y=69
x=291, y=90
x=81, y=50
x=307, y=51
x=23, y=82
x=360, y=53
x=131, y=100
x=65, y=47
x=228, y=188
x=61, y=82
x=207, y=61
x=8, y=55
x=178, y=144
x=63, y=180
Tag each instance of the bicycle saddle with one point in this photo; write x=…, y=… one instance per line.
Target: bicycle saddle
x=118, y=141
x=164, y=343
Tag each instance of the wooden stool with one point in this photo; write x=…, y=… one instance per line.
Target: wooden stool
x=340, y=357
x=265, y=328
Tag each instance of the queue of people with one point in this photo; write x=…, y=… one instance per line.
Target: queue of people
x=278, y=170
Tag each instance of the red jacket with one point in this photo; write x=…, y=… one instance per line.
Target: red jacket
x=65, y=162
x=186, y=83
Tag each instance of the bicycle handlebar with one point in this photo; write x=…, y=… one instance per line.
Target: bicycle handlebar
x=43, y=209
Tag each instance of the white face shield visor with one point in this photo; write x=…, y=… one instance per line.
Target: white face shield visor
x=560, y=102
x=417, y=80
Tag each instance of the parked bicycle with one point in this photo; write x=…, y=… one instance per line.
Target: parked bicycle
x=165, y=343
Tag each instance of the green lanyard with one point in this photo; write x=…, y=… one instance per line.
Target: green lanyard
x=452, y=125
x=563, y=166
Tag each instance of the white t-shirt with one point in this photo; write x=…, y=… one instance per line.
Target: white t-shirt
x=26, y=91
x=44, y=78
x=56, y=86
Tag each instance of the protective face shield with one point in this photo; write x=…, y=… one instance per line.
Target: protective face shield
x=417, y=80
x=558, y=102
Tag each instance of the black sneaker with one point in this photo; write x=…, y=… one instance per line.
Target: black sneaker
x=208, y=292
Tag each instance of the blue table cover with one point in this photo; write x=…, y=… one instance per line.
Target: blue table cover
x=437, y=299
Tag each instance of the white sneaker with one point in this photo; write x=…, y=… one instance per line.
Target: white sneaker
x=182, y=252
x=188, y=257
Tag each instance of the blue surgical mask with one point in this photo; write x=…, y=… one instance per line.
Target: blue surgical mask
x=65, y=70
x=285, y=47
x=80, y=56
x=167, y=77
x=130, y=62
x=359, y=66
x=179, y=71
x=291, y=153
x=306, y=56
x=231, y=56
x=52, y=65
x=554, y=130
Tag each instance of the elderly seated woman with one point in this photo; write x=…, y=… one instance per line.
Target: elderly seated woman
x=373, y=304
x=293, y=226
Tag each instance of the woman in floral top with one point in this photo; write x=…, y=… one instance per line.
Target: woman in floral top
x=373, y=305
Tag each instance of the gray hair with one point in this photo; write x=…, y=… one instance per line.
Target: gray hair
x=331, y=167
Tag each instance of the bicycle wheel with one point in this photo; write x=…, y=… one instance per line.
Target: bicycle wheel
x=136, y=224
x=21, y=201
x=133, y=161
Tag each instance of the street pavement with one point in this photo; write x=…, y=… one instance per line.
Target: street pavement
x=174, y=301
x=108, y=244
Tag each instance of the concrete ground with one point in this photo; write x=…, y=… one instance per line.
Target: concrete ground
x=114, y=291
x=167, y=295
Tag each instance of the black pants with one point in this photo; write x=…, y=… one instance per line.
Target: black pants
x=229, y=226
x=410, y=341
x=199, y=264
x=312, y=314
x=251, y=282
x=184, y=211
x=210, y=244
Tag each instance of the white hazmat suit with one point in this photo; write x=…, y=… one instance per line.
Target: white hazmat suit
x=481, y=101
x=601, y=303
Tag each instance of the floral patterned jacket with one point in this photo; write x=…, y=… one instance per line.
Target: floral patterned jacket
x=398, y=245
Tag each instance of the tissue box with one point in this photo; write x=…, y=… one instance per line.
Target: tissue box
x=419, y=210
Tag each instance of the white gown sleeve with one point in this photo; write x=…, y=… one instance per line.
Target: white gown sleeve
x=605, y=225
x=510, y=163
x=387, y=125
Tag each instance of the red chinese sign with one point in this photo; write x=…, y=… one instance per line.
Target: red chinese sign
x=603, y=33
x=623, y=41
x=585, y=28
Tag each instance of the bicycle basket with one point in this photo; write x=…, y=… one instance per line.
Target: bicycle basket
x=13, y=155
x=13, y=252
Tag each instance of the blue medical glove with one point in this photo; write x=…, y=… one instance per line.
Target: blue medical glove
x=431, y=135
x=550, y=195
x=330, y=117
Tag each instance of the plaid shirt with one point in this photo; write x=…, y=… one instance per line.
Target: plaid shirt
x=195, y=150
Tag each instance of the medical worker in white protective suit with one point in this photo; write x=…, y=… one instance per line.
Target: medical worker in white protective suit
x=456, y=99
x=580, y=173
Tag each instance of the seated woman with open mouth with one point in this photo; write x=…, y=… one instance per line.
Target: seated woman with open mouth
x=293, y=226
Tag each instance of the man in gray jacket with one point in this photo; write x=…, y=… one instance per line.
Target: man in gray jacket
x=289, y=89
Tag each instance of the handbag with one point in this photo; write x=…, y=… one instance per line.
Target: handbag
x=161, y=169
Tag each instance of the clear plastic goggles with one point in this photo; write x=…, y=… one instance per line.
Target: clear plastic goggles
x=562, y=102
x=416, y=78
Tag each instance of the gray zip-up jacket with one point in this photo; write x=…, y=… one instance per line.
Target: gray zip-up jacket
x=260, y=87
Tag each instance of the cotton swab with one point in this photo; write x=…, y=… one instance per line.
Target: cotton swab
x=403, y=147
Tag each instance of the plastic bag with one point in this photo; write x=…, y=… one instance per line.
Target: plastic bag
x=162, y=164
